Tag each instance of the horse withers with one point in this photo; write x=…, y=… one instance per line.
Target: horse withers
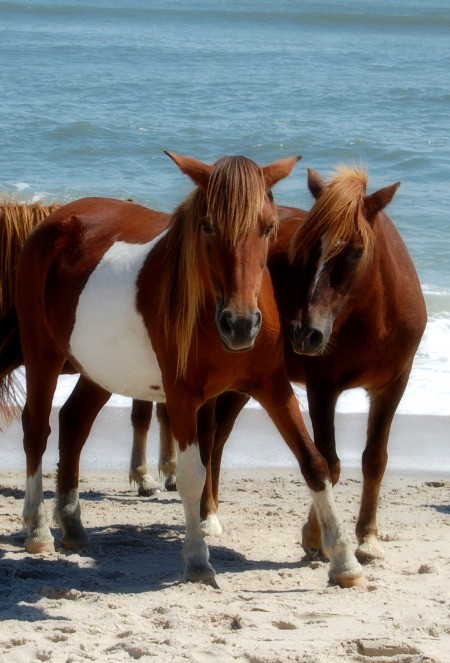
x=179, y=313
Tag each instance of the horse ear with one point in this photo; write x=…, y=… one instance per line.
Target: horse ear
x=378, y=200
x=316, y=183
x=278, y=170
x=198, y=171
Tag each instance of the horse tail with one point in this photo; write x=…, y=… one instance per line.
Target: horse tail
x=11, y=358
x=17, y=221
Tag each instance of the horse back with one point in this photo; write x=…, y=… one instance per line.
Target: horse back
x=62, y=252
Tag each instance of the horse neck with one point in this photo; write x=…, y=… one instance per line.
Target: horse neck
x=373, y=294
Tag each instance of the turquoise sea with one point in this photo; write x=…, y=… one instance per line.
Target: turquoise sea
x=93, y=92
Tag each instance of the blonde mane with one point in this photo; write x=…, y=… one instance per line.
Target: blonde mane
x=17, y=220
x=234, y=199
x=335, y=216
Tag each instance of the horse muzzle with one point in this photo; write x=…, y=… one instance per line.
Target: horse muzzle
x=238, y=332
x=307, y=340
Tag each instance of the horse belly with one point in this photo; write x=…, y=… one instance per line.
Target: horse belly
x=110, y=340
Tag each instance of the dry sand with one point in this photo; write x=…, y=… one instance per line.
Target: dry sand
x=123, y=600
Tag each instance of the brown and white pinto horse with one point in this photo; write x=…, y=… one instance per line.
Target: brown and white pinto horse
x=17, y=220
x=353, y=315
x=158, y=313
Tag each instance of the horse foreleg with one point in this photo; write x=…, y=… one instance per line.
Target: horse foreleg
x=228, y=407
x=167, y=464
x=322, y=407
x=141, y=416
x=282, y=406
x=75, y=421
x=383, y=406
x=191, y=474
x=41, y=385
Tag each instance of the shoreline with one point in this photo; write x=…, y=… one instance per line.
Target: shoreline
x=418, y=443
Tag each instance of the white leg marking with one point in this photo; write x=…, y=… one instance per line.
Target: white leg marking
x=336, y=545
x=191, y=475
x=211, y=526
x=39, y=538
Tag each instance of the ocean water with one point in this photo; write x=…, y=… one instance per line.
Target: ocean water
x=93, y=92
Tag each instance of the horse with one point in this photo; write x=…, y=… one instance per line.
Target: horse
x=17, y=220
x=177, y=313
x=353, y=315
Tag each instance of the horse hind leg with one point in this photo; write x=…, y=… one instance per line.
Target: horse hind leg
x=228, y=406
x=75, y=421
x=383, y=406
x=141, y=415
x=167, y=464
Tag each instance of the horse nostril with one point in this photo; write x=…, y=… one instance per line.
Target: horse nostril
x=257, y=320
x=226, y=322
x=315, y=339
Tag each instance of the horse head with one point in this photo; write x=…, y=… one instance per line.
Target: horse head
x=331, y=253
x=232, y=216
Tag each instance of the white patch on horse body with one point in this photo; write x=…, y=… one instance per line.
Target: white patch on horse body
x=109, y=339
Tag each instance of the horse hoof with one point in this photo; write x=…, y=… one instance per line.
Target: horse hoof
x=170, y=483
x=315, y=555
x=203, y=574
x=345, y=571
x=73, y=546
x=146, y=491
x=346, y=582
x=34, y=547
x=74, y=542
x=369, y=550
x=211, y=526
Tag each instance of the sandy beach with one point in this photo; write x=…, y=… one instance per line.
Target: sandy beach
x=122, y=599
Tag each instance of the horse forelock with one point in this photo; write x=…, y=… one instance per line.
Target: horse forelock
x=235, y=197
x=335, y=217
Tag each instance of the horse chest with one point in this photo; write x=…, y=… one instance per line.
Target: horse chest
x=109, y=339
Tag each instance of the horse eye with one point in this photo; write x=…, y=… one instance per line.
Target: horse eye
x=207, y=228
x=357, y=253
x=268, y=231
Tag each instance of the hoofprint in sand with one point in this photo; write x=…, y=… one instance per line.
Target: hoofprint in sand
x=123, y=599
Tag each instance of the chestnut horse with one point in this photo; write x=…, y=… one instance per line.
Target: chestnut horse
x=158, y=314
x=353, y=315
